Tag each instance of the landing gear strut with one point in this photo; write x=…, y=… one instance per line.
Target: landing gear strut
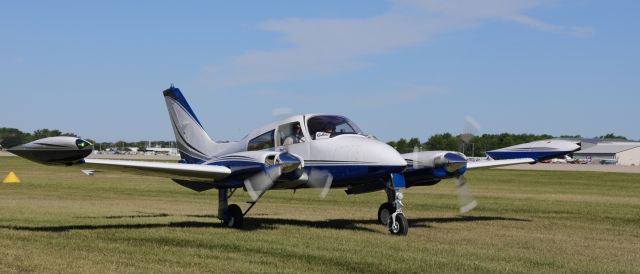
x=390, y=213
x=231, y=215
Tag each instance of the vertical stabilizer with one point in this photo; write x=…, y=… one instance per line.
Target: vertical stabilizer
x=194, y=145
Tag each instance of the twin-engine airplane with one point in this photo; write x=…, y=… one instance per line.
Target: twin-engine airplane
x=302, y=151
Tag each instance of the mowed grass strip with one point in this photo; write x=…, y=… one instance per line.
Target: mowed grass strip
x=61, y=221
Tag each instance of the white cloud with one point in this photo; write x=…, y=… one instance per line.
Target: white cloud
x=537, y=24
x=327, y=46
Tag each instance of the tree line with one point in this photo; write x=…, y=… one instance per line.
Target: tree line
x=12, y=136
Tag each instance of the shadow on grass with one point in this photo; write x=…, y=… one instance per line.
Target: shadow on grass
x=153, y=215
x=65, y=228
x=253, y=223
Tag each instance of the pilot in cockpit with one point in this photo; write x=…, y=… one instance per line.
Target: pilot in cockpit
x=296, y=135
x=329, y=129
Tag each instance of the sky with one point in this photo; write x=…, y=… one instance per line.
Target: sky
x=400, y=68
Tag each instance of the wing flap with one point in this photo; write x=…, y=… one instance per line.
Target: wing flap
x=160, y=169
x=497, y=163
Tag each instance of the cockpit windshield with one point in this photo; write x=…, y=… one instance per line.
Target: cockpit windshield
x=327, y=126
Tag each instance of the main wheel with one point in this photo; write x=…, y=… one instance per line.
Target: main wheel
x=236, y=220
x=384, y=212
x=401, y=225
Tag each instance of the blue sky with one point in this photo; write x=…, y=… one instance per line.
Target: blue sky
x=397, y=68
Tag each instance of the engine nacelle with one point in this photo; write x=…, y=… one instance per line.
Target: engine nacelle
x=429, y=167
x=60, y=150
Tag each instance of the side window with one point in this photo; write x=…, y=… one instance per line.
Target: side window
x=261, y=142
x=290, y=133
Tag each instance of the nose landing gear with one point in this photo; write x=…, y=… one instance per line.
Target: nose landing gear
x=384, y=212
x=390, y=213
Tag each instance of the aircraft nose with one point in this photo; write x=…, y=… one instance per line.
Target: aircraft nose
x=388, y=155
x=396, y=159
x=355, y=148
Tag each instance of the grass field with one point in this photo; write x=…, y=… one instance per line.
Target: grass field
x=59, y=220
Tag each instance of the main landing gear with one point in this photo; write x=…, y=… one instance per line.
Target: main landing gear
x=390, y=213
x=231, y=215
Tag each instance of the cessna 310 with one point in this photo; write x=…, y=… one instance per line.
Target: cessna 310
x=302, y=151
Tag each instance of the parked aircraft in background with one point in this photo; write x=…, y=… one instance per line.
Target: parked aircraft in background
x=302, y=151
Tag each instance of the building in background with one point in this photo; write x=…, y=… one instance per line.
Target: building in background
x=591, y=142
x=607, y=151
x=627, y=153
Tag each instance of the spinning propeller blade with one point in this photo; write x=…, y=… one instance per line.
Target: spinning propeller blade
x=471, y=127
x=416, y=163
x=320, y=179
x=257, y=184
x=467, y=202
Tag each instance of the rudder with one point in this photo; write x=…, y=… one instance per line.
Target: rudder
x=193, y=142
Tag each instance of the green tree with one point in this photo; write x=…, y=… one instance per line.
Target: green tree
x=10, y=137
x=444, y=141
x=401, y=146
x=413, y=143
x=43, y=133
x=611, y=136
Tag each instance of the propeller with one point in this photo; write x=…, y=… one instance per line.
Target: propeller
x=415, y=162
x=471, y=127
x=257, y=184
x=466, y=200
x=320, y=179
x=260, y=182
x=454, y=162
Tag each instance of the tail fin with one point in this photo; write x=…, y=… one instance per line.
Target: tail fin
x=194, y=145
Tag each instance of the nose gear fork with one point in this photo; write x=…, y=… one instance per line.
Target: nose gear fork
x=394, y=222
x=390, y=213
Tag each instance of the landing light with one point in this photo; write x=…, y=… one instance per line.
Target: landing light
x=82, y=143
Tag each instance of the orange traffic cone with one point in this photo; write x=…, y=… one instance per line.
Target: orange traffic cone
x=12, y=178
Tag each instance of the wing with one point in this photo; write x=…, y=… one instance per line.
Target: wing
x=160, y=169
x=497, y=163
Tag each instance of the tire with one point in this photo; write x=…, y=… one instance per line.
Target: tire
x=384, y=212
x=235, y=214
x=402, y=227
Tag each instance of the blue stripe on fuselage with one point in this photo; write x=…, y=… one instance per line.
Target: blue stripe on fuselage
x=347, y=174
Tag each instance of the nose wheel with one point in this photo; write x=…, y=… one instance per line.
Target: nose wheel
x=390, y=213
x=398, y=224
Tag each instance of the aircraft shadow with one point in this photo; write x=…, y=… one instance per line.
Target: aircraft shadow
x=256, y=223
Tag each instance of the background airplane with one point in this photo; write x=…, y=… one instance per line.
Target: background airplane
x=302, y=151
